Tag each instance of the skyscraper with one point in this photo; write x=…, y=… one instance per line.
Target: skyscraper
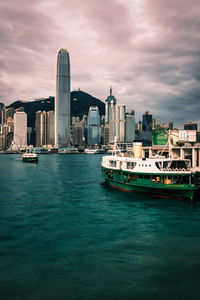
x=108, y=101
x=93, y=125
x=130, y=126
x=147, y=129
x=120, y=115
x=44, y=128
x=20, y=129
x=62, y=100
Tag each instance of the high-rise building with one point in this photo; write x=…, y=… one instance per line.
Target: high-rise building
x=106, y=134
x=112, y=122
x=50, y=128
x=62, y=100
x=130, y=126
x=120, y=119
x=93, y=125
x=77, y=133
x=147, y=129
x=38, y=128
x=108, y=101
x=44, y=128
x=191, y=126
x=1, y=113
x=85, y=128
x=20, y=129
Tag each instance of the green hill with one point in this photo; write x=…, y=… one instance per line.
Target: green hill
x=80, y=103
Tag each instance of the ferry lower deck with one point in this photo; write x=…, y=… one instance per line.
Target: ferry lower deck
x=170, y=185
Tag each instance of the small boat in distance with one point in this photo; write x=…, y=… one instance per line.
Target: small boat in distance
x=94, y=151
x=30, y=157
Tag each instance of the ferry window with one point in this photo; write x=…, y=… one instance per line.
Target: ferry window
x=131, y=165
x=158, y=165
x=179, y=164
x=142, y=165
x=147, y=176
x=112, y=163
x=145, y=165
x=149, y=165
x=140, y=176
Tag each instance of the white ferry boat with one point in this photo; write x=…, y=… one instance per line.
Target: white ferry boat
x=162, y=176
x=30, y=157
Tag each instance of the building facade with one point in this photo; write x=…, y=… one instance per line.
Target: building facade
x=130, y=126
x=93, y=125
x=62, y=100
x=108, y=101
x=147, y=129
x=20, y=129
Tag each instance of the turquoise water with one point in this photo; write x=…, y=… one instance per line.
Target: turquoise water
x=66, y=235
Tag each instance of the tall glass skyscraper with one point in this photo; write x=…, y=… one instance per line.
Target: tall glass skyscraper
x=62, y=100
x=110, y=99
x=93, y=125
x=147, y=129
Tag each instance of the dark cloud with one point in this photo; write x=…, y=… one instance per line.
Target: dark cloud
x=149, y=51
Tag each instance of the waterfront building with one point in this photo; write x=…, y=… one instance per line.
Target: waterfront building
x=62, y=100
x=1, y=113
x=112, y=122
x=38, y=128
x=29, y=135
x=191, y=126
x=120, y=119
x=50, y=128
x=130, y=126
x=93, y=125
x=160, y=136
x=106, y=134
x=20, y=129
x=77, y=133
x=85, y=128
x=147, y=129
x=183, y=136
x=44, y=128
x=108, y=101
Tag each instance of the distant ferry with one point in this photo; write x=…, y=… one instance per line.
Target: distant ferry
x=157, y=176
x=30, y=157
x=94, y=151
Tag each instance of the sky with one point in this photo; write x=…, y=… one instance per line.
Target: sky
x=147, y=50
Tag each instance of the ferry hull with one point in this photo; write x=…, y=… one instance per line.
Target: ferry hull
x=30, y=159
x=168, y=191
x=164, y=192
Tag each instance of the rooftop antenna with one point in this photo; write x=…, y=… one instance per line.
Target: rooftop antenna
x=111, y=91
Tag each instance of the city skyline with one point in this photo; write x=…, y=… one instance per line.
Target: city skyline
x=148, y=52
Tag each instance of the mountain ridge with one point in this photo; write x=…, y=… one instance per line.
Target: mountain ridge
x=80, y=103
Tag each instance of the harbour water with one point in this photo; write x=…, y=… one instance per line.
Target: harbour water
x=64, y=234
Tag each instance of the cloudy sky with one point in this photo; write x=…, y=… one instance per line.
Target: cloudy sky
x=147, y=50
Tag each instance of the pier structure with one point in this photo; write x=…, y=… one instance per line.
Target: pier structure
x=189, y=152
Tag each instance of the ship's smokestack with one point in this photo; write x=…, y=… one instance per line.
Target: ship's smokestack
x=137, y=150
